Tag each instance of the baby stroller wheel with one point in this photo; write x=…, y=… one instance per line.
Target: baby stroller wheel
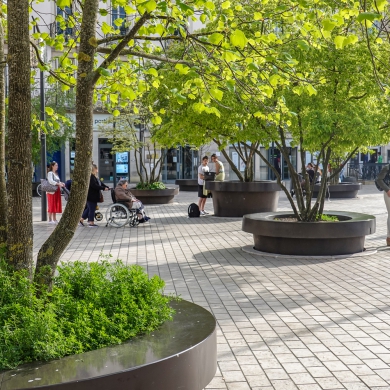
x=98, y=216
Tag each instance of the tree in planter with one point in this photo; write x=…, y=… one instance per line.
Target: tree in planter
x=125, y=133
x=115, y=79
x=190, y=122
x=347, y=113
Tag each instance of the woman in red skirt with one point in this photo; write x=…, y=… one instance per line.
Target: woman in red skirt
x=54, y=198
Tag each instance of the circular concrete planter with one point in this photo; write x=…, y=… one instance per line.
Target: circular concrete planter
x=309, y=238
x=155, y=196
x=187, y=184
x=181, y=354
x=340, y=190
x=235, y=198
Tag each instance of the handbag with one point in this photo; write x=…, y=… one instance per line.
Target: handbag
x=47, y=187
x=101, y=198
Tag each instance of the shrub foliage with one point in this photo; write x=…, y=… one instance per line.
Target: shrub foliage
x=157, y=185
x=91, y=305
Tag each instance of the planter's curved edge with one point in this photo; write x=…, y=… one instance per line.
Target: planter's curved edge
x=192, y=367
x=264, y=223
x=341, y=190
x=156, y=196
x=309, y=238
x=238, y=186
x=187, y=184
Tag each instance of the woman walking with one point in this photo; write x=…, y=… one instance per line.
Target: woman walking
x=95, y=186
x=54, y=198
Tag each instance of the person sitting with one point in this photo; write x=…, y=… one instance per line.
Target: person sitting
x=123, y=195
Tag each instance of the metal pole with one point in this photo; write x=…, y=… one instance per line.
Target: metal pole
x=43, y=147
x=114, y=158
x=140, y=147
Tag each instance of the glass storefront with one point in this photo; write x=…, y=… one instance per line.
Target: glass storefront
x=180, y=163
x=277, y=160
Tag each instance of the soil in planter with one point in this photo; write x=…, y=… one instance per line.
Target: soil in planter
x=324, y=218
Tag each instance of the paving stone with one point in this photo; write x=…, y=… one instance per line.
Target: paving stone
x=299, y=323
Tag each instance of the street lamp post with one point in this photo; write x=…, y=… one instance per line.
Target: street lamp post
x=43, y=145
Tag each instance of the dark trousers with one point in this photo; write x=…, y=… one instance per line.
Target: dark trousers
x=89, y=211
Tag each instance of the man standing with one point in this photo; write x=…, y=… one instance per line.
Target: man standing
x=202, y=198
x=219, y=169
x=383, y=180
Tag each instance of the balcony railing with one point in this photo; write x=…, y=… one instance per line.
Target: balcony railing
x=364, y=171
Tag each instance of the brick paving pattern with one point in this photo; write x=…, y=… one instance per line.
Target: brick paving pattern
x=291, y=323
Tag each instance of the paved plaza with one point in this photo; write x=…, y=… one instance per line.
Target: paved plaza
x=283, y=323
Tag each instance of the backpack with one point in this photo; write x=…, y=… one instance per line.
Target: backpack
x=386, y=180
x=193, y=210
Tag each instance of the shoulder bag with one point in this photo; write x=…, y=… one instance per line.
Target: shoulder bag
x=47, y=187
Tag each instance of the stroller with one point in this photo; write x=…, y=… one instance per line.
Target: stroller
x=66, y=189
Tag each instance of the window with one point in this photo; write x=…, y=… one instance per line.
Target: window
x=68, y=31
x=119, y=13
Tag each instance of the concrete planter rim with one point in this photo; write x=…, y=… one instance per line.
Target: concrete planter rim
x=193, y=341
x=239, y=186
x=266, y=224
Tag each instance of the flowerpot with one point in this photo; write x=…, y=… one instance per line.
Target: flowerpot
x=181, y=354
x=187, y=184
x=273, y=235
x=155, y=196
x=340, y=190
x=235, y=198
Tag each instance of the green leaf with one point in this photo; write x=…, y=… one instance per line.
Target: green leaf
x=351, y=39
x=116, y=113
x=216, y=94
x=183, y=69
x=103, y=12
x=328, y=25
x=225, y=5
x=49, y=111
x=238, y=39
x=104, y=72
x=311, y=90
x=153, y=72
x=150, y=6
x=258, y=16
x=106, y=28
x=216, y=38
x=368, y=16
x=63, y=3
x=339, y=42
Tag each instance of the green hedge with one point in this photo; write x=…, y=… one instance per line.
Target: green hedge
x=91, y=305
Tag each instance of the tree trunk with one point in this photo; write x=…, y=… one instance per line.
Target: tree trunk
x=3, y=189
x=54, y=246
x=19, y=227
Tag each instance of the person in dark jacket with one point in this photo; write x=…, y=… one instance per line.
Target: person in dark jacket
x=95, y=186
x=384, y=183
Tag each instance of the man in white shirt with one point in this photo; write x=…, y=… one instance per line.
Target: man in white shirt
x=201, y=171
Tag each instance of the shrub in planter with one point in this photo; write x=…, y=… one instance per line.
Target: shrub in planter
x=158, y=185
x=90, y=306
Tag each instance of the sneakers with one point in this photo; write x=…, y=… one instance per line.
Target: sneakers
x=81, y=223
x=93, y=226
x=205, y=212
x=202, y=212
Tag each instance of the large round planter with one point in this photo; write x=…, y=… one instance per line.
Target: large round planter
x=187, y=184
x=235, y=198
x=340, y=190
x=155, y=196
x=181, y=354
x=309, y=238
